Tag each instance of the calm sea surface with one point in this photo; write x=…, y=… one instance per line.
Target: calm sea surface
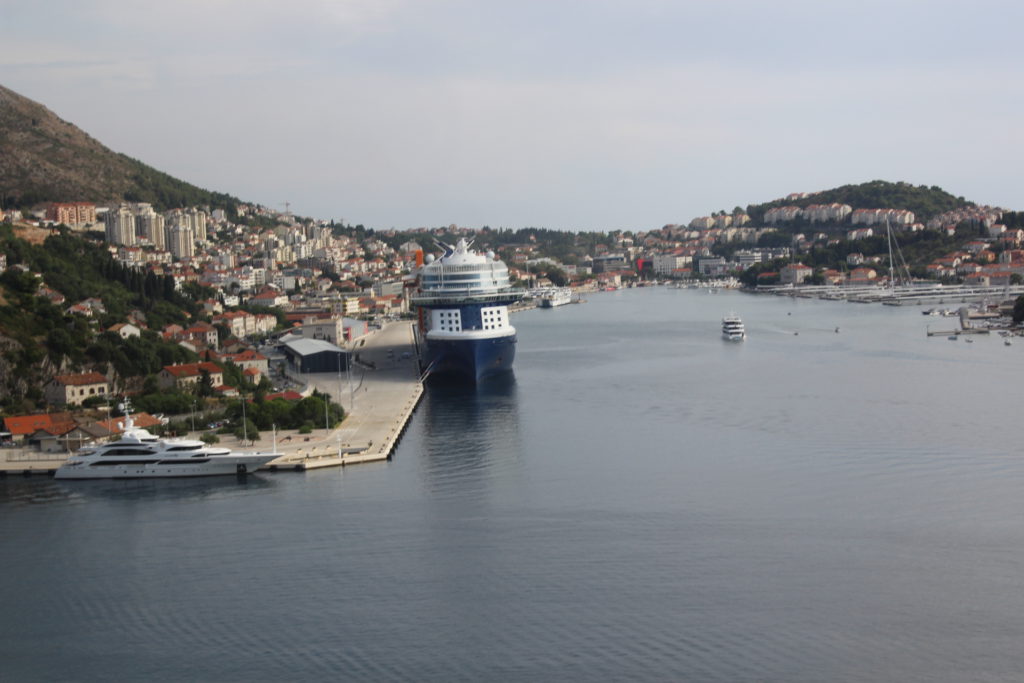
x=641, y=501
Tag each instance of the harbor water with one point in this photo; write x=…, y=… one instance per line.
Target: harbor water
x=838, y=498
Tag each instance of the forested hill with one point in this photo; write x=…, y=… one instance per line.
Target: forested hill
x=38, y=339
x=924, y=201
x=47, y=159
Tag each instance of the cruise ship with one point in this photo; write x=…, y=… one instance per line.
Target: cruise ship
x=140, y=454
x=463, y=321
x=732, y=328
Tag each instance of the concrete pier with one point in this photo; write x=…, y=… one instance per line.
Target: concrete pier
x=379, y=396
x=15, y=461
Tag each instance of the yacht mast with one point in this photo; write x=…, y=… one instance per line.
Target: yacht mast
x=892, y=281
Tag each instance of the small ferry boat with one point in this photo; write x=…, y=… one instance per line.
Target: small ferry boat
x=556, y=297
x=140, y=454
x=732, y=328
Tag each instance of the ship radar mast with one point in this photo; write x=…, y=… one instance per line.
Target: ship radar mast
x=461, y=247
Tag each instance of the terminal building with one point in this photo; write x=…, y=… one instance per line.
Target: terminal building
x=315, y=355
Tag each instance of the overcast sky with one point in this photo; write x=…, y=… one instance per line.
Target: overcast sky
x=571, y=115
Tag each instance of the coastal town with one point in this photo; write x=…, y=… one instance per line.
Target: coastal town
x=290, y=308
x=386, y=341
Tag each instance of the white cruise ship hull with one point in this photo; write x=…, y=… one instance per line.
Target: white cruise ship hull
x=110, y=468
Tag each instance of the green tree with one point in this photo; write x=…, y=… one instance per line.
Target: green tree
x=205, y=385
x=1018, y=310
x=246, y=429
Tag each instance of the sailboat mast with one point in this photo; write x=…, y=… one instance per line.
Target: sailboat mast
x=892, y=281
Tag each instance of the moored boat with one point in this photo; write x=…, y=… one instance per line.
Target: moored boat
x=462, y=306
x=556, y=297
x=139, y=454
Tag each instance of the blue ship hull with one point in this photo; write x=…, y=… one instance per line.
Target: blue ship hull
x=470, y=359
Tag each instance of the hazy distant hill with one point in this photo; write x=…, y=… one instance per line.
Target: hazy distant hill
x=44, y=158
x=925, y=202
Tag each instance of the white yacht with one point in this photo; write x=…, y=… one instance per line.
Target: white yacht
x=732, y=328
x=138, y=454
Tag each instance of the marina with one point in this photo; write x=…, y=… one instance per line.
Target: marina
x=925, y=294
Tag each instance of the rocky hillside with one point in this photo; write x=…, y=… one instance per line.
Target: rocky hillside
x=45, y=158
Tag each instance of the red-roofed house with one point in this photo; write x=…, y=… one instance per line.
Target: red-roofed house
x=200, y=333
x=938, y=270
x=833, y=276
x=187, y=375
x=23, y=426
x=794, y=273
x=977, y=280
x=1012, y=256
x=999, y=278
x=862, y=276
x=269, y=296
x=247, y=360
x=73, y=389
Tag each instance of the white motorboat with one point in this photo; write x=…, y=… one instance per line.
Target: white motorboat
x=732, y=328
x=138, y=454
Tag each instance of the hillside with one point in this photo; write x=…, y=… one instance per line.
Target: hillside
x=38, y=338
x=47, y=159
x=925, y=202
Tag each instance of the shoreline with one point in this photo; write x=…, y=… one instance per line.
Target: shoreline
x=378, y=407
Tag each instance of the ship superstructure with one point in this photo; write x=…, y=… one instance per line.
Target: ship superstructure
x=463, y=319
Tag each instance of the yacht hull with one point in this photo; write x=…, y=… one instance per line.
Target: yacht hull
x=158, y=468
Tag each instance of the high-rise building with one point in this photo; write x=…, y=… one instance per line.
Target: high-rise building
x=181, y=241
x=191, y=218
x=119, y=226
x=198, y=220
x=150, y=225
